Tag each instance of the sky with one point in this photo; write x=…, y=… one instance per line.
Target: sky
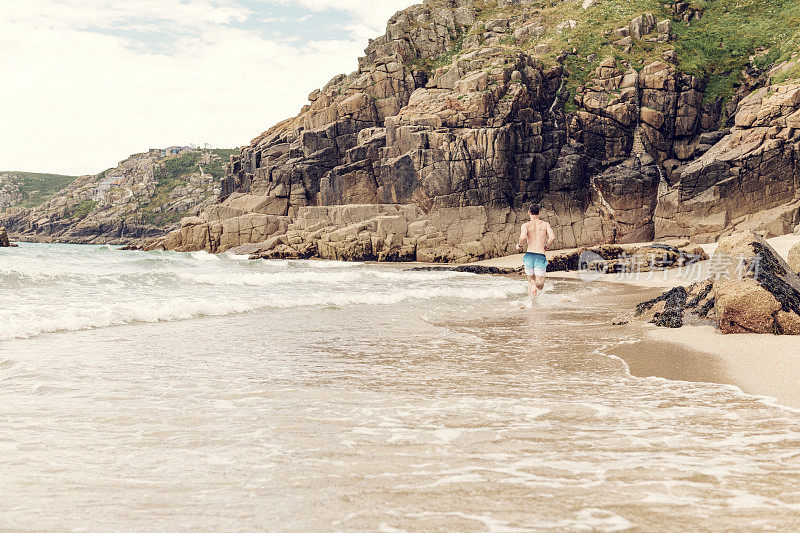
x=85, y=83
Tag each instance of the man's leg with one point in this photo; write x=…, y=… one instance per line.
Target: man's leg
x=540, y=270
x=532, y=290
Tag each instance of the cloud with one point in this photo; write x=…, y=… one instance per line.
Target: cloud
x=88, y=82
x=369, y=15
x=78, y=14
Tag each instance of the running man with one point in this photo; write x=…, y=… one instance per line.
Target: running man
x=540, y=236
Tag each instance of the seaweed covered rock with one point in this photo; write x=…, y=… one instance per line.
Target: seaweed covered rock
x=656, y=256
x=470, y=269
x=679, y=305
x=568, y=261
x=757, y=291
x=625, y=259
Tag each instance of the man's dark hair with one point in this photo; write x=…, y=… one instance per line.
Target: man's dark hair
x=534, y=209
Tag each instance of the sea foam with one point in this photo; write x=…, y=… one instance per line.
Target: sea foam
x=51, y=288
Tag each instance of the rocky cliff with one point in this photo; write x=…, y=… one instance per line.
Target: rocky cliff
x=29, y=189
x=10, y=191
x=146, y=195
x=605, y=112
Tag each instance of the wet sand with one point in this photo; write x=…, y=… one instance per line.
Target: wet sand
x=426, y=401
x=761, y=365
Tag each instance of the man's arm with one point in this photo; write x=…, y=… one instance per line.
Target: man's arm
x=551, y=236
x=523, y=236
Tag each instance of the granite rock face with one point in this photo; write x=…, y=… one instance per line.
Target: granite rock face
x=10, y=193
x=452, y=110
x=749, y=178
x=794, y=258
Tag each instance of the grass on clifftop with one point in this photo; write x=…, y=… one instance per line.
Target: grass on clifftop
x=37, y=188
x=718, y=47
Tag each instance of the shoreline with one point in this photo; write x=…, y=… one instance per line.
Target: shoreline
x=759, y=365
x=765, y=367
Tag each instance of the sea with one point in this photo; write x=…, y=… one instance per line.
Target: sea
x=163, y=391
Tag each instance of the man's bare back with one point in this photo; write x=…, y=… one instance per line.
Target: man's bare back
x=537, y=233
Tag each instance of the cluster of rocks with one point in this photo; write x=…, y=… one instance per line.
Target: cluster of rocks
x=757, y=292
x=118, y=206
x=641, y=28
x=685, y=12
x=628, y=259
x=367, y=232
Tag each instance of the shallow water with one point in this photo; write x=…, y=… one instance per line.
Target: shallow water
x=318, y=396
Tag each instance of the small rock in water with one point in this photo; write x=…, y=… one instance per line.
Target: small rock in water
x=4, y=242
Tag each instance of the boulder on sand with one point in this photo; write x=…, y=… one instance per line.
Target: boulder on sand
x=752, y=290
x=757, y=291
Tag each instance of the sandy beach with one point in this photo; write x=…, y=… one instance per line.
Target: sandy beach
x=762, y=365
x=424, y=401
x=759, y=365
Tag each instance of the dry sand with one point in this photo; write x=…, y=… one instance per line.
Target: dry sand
x=763, y=365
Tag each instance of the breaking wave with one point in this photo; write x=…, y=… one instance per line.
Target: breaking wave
x=51, y=288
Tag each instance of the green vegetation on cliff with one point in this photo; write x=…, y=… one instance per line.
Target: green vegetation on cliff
x=720, y=45
x=176, y=173
x=177, y=168
x=717, y=44
x=83, y=209
x=37, y=188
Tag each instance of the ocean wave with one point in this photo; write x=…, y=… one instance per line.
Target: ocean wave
x=31, y=321
x=204, y=256
x=229, y=272
x=52, y=288
x=324, y=276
